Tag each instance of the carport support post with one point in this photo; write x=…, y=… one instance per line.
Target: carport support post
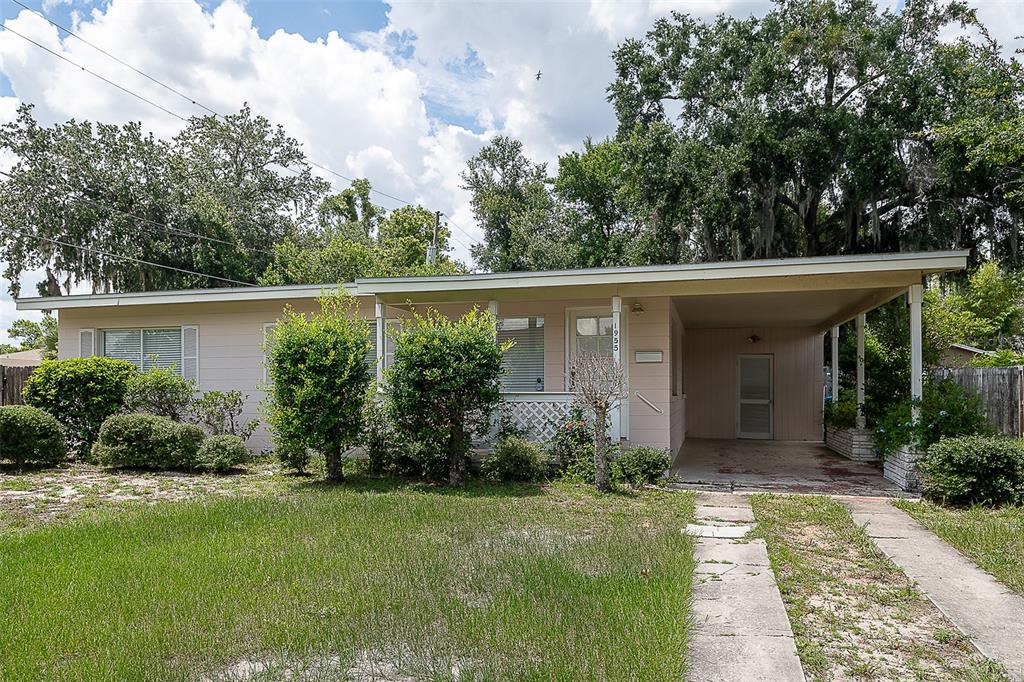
x=617, y=355
x=915, y=294
x=379, y=311
x=861, y=319
x=835, y=363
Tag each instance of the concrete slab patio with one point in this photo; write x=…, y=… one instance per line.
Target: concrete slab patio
x=777, y=466
x=741, y=630
x=991, y=615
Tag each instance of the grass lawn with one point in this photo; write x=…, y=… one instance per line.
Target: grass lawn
x=992, y=538
x=370, y=580
x=854, y=614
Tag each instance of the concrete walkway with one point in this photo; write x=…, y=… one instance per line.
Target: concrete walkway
x=979, y=606
x=741, y=628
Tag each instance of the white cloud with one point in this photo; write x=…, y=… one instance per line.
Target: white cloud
x=365, y=105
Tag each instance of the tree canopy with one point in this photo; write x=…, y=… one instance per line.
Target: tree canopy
x=823, y=127
x=231, y=198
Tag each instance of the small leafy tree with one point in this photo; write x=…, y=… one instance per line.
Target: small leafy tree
x=444, y=384
x=318, y=379
x=160, y=391
x=219, y=412
x=598, y=382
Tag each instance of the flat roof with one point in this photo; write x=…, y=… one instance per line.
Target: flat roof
x=628, y=280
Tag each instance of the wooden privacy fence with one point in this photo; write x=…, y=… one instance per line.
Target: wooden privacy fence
x=1001, y=390
x=12, y=380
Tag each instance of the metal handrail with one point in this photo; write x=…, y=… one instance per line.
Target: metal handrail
x=648, y=402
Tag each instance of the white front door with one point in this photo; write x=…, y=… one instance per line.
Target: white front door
x=592, y=331
x=754, y=392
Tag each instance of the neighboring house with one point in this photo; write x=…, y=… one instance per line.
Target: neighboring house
x=960, y=355
x=22, y=358
x=711, y=350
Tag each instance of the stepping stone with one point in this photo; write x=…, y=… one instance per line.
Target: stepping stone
x=702, y=531
x=735, y=514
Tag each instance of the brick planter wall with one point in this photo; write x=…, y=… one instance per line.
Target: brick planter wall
x=901, y=469
x=855, y=444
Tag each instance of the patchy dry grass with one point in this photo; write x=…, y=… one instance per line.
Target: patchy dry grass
x=854, y=614
x=288, y=579
x=992, y=538
x=40, y=496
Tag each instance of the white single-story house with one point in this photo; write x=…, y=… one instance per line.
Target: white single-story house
x=712, y=350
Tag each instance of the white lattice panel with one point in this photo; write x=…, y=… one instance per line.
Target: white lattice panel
x=538, y=418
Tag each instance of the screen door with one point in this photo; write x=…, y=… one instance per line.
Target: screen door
x=754, y=413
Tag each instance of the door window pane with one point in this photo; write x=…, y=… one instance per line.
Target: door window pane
x=594, y=335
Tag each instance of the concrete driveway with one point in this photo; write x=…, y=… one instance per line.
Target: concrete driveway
x=777, y=466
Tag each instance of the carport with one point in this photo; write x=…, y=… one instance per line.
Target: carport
x=777, y=466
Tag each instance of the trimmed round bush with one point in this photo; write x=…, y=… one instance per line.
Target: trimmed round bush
x=80, y=393
x=515, y=459
x=29, y=435
x=147, y=441
x=640, y=465
x=222, y=453
x=973, y=470
x=161, y=391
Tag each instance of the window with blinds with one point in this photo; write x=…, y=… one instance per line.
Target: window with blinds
x=523, y=363
x=163, y=347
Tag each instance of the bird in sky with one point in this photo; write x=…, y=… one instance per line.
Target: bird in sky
x=538, y=75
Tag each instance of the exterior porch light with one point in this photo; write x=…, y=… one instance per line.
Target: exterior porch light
x=637, y=307
x=753, y=338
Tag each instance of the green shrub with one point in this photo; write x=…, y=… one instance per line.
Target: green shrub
x=516, y=459
x=29, y=435
x=222, y=453
x=160, y=391
x=319, y=378
x=974, y=470
x=147, y=441
x=219, y=412
x=293, y=456
x=1002, y=358
x=947, y=410
x=80, y=393
x=842, y=413
x=387, y=451
x=640, y=465
x=572, y=437
x=443, y=385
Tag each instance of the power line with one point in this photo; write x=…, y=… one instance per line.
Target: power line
x=115, y=57
x=187, y=98
x=173, y=230
x=93, y=73
x=138, y=260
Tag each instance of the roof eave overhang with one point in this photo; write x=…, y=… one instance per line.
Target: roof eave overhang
x=173, y=297
x=803, y=274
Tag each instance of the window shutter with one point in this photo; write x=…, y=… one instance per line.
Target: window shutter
x=190, y=353
x=162, y=348
x=371, y=354
x=86, y=343
x=523, y=363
